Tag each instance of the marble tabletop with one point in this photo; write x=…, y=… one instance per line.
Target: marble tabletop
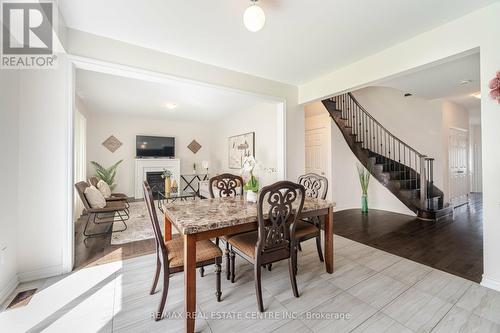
x=196, y=216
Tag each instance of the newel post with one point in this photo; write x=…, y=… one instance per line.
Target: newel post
x=423, y=179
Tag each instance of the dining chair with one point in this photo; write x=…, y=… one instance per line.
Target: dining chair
x=316, y=186
x=226, y=185
x=113, y=212
x=170, y=255
x=278, y=207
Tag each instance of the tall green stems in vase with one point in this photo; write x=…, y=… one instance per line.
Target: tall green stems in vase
x=364, y=180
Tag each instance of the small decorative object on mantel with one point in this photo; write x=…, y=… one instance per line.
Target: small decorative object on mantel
x=166, y=174
x=174, y=186
x=194, y=146
x=364, y=180
x=495, y=88
x=112, y=143
x=194, y=168
x=252, y=184
x=241, y=147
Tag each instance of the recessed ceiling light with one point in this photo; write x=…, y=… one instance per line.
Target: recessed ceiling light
x=463, y=82
x=171, y=106
x=477, y=95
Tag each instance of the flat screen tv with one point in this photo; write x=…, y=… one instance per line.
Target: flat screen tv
x=155, y=146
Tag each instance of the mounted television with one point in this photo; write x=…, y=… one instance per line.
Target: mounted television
x=155, y=146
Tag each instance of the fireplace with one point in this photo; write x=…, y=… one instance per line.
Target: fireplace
x=150, y=169
x=156, y=182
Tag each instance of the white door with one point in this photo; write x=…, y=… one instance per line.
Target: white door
x=458, y=160
x=317, y=150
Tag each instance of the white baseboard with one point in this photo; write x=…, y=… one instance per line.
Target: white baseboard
x=490, y=283
x=8, y=289
x=41, y=273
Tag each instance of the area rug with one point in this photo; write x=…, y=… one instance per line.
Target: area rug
x=138, y=226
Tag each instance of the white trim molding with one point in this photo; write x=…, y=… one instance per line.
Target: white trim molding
x=8, y=289
x=41, y=273
x=490, y=283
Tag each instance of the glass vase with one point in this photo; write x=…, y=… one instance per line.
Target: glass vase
x=364, y=204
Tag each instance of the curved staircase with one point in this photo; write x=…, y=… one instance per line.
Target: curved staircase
x=404, y=171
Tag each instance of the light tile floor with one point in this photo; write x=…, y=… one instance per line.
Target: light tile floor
x=370, y=291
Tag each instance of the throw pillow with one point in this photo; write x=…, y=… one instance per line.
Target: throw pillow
x=104, y=188
x=95, y=197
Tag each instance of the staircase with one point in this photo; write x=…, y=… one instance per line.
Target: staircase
x=404, y=171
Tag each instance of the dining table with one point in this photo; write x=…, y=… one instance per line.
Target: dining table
x=203, y=219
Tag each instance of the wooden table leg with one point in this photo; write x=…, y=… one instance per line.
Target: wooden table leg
x=168, y=229
x=329, y=241
x=190, y=281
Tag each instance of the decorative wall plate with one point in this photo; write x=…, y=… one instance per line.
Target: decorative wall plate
x=194, y=146
x=112, y=143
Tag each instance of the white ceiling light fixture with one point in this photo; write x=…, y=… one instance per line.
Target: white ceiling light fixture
x=171, y=106
x=254, y=17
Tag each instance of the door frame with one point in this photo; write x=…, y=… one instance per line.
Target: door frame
x=78, y=62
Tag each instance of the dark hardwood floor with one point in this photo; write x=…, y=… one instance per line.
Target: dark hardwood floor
x=454, y=246
x=98, y=250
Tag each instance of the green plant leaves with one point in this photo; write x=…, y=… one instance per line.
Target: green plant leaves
x=106, y=174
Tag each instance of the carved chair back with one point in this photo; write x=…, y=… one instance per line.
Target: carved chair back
x=226, y=184
x=148, y=198
x=279, y=205
x=316, y=186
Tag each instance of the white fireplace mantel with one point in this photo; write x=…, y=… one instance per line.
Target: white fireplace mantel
x=145, y=165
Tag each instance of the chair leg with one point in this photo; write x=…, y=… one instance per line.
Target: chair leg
x=292, y=266
x=258, y=286
x=318, y=247
x=157, y=274
x=202, y=271
x=228, y=262
x=164, y=292
x=218, y=270
x=299, y=247
x=294, y=261
x=233, y=259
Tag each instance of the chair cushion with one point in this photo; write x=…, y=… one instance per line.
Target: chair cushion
x=304, y=229
x=245, y=242
x=104, y=188
x=94, y=197
x=205, y=250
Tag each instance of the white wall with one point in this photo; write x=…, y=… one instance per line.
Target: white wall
x=475, y=158
x=44, y=153
x=125, y=128
x=261, y=119
x=9, y=164
x=479, y=29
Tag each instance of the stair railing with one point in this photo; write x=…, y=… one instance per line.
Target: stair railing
x=415, y=169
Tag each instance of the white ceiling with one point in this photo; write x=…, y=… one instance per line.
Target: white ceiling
x=105, y=93
x=302, y=39
x=443, y=81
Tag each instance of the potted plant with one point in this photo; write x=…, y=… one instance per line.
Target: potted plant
x=252, y=185
x=166, y=174
x=107, y=175
x=364, y=180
